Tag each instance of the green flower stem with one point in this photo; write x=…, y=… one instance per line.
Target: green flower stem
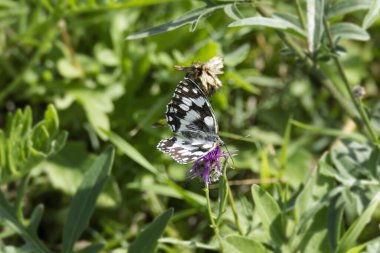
x=357, y=103
x=212, y=220
x=233, y=208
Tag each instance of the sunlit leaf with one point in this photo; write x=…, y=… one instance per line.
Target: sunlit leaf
x=349, y=31
x=372, y=15
x=146, y=241
x=84, y=201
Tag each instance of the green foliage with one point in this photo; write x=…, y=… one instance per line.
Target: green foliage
x=306, y=174
x=146, y=241
x=23, y=146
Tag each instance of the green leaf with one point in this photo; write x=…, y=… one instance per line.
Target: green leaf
x=315, y=13
x=189, y=244
x=285, y=143
x=334, y=222
x=314, y=238
x=237, y=56
x=51, y=120
x=275, y=23
x=93, y=248
x=270, y=214
x=68, y=70
x=342, y=7
x=35, y=219
x=241, y=244
x=191, y=17
x=171, y=191
x=146, y=241
x=130, y=151
x=8, y=218
x=83, y=203
x=96, y=104
x=304, y=199
x=372, y=15
x=23, y=146
x=350, y=237
x=349, y=31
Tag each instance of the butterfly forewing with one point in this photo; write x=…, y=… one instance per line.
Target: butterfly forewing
x=190, y=110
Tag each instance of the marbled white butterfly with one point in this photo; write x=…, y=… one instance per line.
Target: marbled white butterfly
x=190, y=116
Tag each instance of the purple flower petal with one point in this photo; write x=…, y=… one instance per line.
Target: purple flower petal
x=208, y=166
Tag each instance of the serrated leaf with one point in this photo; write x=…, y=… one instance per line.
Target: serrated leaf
x=146, y=241
x=84, y=201
x=23, y=147
x=349, y=31
x=372, y=15
x=270, y=214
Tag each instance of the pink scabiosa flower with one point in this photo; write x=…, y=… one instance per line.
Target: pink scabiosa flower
x=208, y=167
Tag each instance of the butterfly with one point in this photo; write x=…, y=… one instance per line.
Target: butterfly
x=191, y=117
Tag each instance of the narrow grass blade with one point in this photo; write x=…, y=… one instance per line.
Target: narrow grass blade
x=84, y=200
x=129, y=151
x=352, y=234
x=146, y=241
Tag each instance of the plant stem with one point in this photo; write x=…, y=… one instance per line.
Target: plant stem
x=319, y=76
x=233, y=209
x=357, y=103
x=300, y=14
x=212, y=220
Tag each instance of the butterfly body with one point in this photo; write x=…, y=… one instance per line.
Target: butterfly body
x=191, y=117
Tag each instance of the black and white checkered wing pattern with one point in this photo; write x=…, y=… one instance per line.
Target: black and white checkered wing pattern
x=190, y=115
x=184, y=150
x=190, y=111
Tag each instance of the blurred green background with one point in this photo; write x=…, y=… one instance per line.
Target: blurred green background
x=75, y=55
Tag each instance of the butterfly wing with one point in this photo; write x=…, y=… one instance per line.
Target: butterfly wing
x=184, y=150
x=189, y=111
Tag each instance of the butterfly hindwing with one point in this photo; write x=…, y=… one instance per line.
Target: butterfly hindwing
x=184, y=150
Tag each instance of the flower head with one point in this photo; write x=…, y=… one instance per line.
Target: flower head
x=205, y=74
x=208, y=167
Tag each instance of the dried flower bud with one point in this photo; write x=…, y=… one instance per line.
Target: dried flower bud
x=205, y=74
